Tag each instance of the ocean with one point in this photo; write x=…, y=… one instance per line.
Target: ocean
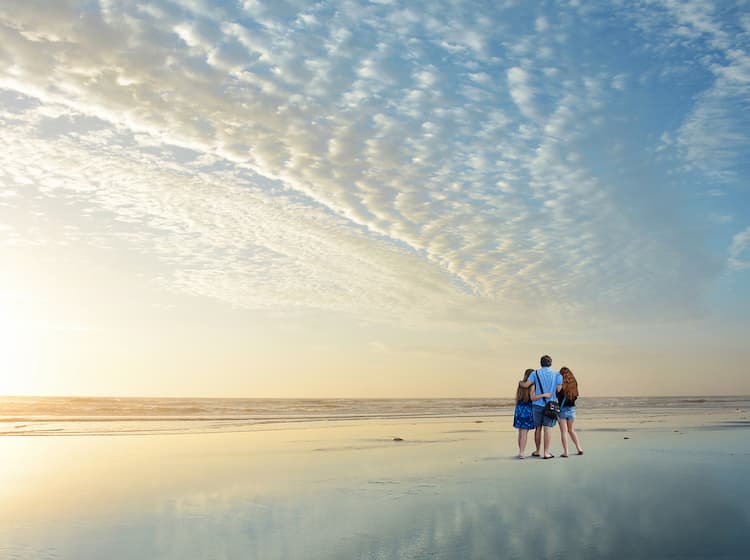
x=60, y=416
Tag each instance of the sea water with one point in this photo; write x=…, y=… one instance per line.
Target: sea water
x=59, y=416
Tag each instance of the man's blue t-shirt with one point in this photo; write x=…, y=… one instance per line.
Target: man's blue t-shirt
x=549, y=380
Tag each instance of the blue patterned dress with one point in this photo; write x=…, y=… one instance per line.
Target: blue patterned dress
x=523, y=418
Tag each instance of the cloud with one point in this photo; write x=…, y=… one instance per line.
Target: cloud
x=739, y=250
x=218, y=234
x=521, y=91
x=357, y=157
x=716, y=135
x=706, y=38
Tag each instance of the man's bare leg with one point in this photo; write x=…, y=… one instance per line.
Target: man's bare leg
x=547, y=440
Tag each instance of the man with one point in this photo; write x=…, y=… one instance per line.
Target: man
x=545, y=380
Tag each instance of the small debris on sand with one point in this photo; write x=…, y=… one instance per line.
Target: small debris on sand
x=626, y=437
x=398, y=439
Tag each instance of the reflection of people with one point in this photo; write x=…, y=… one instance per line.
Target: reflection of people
x=544, y=378
x=523, y=417
x=567, y=396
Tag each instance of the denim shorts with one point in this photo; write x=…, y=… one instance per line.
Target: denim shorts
x=540, y=419
x=567, y=413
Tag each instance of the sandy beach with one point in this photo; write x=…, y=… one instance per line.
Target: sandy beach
x=659, y=486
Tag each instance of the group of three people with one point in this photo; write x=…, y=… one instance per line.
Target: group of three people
x=537, y=388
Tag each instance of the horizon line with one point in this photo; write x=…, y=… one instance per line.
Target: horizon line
x=175, y=397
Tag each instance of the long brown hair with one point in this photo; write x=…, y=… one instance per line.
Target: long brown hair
x=524, y=393
x=569, y=384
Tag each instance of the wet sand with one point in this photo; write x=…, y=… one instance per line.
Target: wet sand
x=678, y=486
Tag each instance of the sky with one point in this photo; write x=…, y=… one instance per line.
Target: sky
x=373, y=199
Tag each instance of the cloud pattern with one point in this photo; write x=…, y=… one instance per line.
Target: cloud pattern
x=391, y=158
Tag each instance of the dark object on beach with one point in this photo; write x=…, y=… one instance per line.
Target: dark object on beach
x=478, y=421
x=626, y=437
x=398, y=439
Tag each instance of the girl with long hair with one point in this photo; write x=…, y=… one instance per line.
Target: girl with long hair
x=523, y=417
x=567, y=416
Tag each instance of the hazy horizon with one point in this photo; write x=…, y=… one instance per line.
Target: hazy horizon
x=508, y=397
x=393, y=199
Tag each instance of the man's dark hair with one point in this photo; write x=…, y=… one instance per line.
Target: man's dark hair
x=546, y=361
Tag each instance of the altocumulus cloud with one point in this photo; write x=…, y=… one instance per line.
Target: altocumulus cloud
x=421, y=159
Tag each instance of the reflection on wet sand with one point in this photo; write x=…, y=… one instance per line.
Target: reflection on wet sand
x=446, y=491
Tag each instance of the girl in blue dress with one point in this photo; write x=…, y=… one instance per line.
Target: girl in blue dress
x=523, y=417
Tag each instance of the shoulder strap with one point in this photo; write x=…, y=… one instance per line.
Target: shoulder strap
x=541, y=387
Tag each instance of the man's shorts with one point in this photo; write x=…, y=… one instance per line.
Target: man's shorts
x=540, y=419
x=567, y=413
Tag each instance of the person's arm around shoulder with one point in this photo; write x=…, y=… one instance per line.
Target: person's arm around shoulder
x=532, y=392
x=529, y=382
